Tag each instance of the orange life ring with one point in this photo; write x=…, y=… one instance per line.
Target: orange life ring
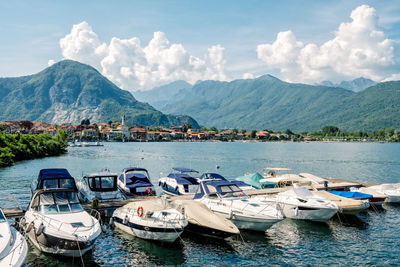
x=149, y=190
x=140, y=211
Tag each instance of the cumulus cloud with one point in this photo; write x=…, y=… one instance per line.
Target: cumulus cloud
x=359, y=48
x=133, y=66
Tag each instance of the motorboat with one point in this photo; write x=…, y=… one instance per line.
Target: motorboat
x=203, y=221
x=227, y=199
x=53, y=178
x=135, y=182
x=300, y=203
x=150, y=219
x=56, y=223
x=347, y=206
x=99, y=186
x=13, y=246
x=391, y=191
x=377, y=198
x=179, y=182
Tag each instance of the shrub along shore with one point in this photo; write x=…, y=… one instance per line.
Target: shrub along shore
x=17, y=147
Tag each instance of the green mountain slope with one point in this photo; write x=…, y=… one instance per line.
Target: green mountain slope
x=268, y=102
x=70, y=92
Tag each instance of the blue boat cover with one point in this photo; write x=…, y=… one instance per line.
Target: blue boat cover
x=180, y=169
x=350, y=194
x=221, y=187
x=134, y=180
x=210, y=175
x=182, y=178
x=53, y=173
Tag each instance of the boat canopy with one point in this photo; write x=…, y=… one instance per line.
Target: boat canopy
x=55, y=178
x=180, y=169
x=254, y=179
x=135, y=179
x=210, y=175
x=102, y=182
x=350, y=194
x=223, y=188
x=183, y=178
x=55, y=201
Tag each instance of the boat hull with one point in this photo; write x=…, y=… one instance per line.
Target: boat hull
x=393, y=199
x=251, y=223
x=18, y=251
x=207, y=231
x=60, y=246
x=150, y=233
x=307, y=213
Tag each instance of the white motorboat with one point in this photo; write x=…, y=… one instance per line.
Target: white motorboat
x=150, y=219
x=13, y=246
x=179, y=182
x=300, y=203
x=391, y=191
x=135, y=182
x=56, y=223
x=99, y=186
x=227, y=199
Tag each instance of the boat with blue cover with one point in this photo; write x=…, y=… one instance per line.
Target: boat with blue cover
x=53, y=178
x=350, y=194
x=135, y=182
x=179, y=182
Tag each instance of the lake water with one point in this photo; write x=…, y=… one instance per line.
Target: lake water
x=370, y=238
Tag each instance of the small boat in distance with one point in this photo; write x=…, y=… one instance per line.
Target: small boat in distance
x=391, y=191
x=56, y=223
x=13, y=246
x=150, y=219
x=53, y=178
x=135, y=182
x=179, y=182
x=101, y=186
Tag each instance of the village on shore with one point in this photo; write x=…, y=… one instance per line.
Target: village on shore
x=121, y=132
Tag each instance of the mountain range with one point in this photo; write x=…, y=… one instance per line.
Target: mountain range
x=356, y=85
x=269, y=103
x=70, y=91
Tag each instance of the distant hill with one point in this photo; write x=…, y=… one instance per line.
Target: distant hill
x=160, y=96
x=356, y=85
x=70, y=92
x=267, y=102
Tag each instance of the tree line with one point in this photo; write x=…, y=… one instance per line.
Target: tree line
x=17, y=147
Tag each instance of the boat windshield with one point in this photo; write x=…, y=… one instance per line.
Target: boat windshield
x=2, y=217
x=58, y=183
x=227, y=190
x=57, y=202
x=104, y=183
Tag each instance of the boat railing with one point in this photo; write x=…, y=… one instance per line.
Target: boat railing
x=19, y=247
x=60, y=225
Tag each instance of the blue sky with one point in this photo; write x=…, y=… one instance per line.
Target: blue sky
x=31, y=30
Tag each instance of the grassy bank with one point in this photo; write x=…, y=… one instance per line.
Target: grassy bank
x=16, y=147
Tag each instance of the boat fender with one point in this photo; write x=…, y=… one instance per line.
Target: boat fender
x=29, y=228
x=40, y=229
x=296, y=212
x=165, y=185
x=125, y=221
x=140, y=211
x=176, y=188
x=111, y=222
x=149, y=190
x=159, y=183
x=95, y=203
x=230, y=215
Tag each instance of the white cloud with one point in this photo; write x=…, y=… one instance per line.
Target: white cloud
x=248, y=76
x=359, y=48
x=133, y=66
x=50, y=62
